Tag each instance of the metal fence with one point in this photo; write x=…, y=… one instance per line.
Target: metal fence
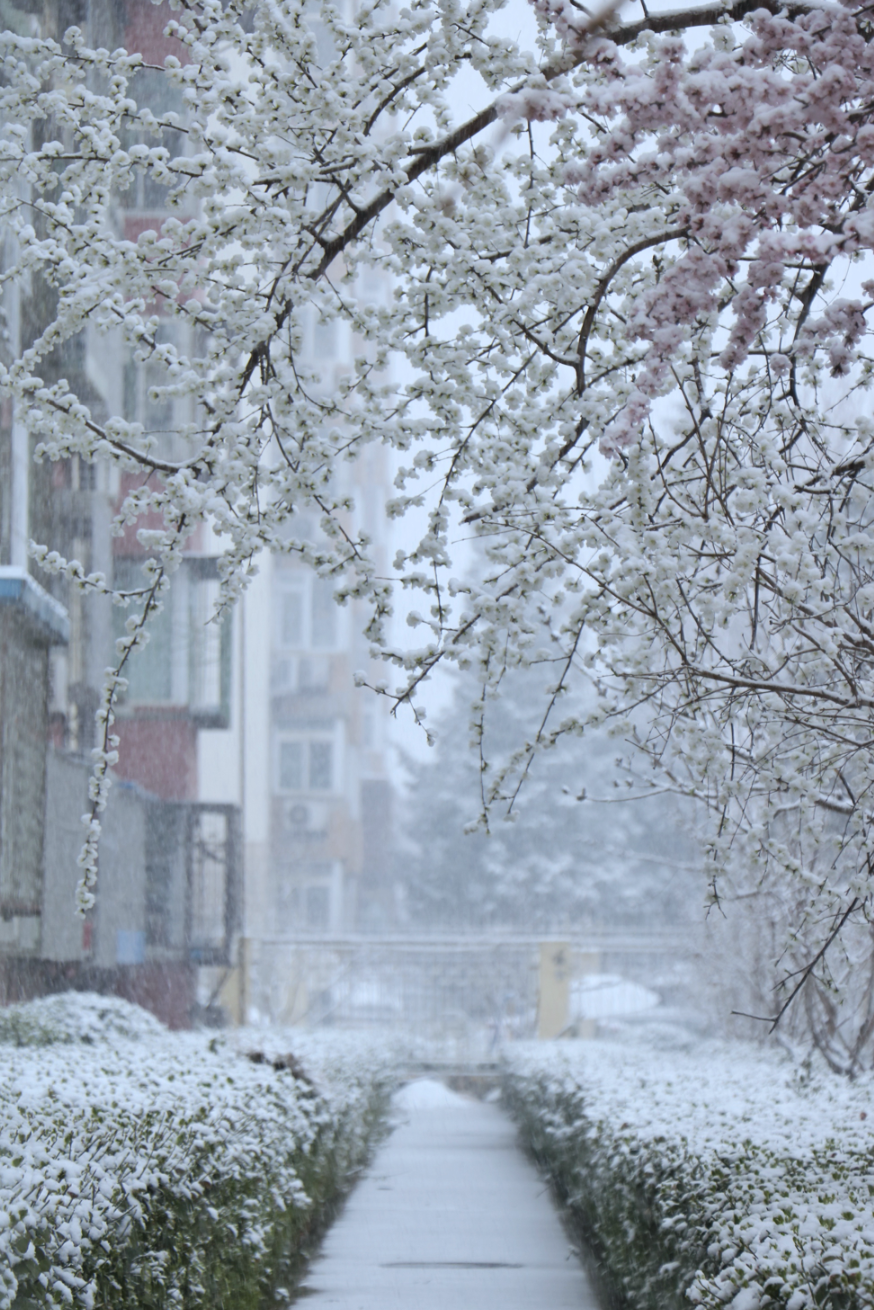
x=465, y=995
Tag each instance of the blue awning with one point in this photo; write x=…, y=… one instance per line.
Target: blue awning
x=46, y=616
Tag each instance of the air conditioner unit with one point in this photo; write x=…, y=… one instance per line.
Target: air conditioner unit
x=305, y=818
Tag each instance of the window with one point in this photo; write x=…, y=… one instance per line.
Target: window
x=306, y=764
x=150, y=670
x=307, y=617
x=321, y=765
x=306, y=896
x=369, y=726
x=325, y=334
x=187, y=660
x=318, y=907
x=372, y=284
x=313, y=674
x=209, y=649
x=324, y=629
x=301, y=673
x=209, y=873
x=145, y=382
x=292, y=765
x=291, y=619
x=153, y=88
x=289, y=901
x=282, y=676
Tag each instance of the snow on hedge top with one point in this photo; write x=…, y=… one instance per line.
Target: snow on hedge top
x=122, y=1167
x=763, y=1171
x=326, y=1052
x=75, y=1017
x=719, y=1096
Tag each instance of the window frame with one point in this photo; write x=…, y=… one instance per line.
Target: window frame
x=307, y=738
x=316, y=604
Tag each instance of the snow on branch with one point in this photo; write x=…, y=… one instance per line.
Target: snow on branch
x=635, y=334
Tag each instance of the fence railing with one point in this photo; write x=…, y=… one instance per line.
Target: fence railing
x=464, y=994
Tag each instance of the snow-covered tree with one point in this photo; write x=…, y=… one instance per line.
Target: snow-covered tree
x=631, y=313
x=575, y=856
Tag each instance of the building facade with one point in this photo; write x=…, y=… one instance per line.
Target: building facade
x=168, y=897
x=252, y=796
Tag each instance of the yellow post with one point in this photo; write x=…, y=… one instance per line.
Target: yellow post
x=234, y=993
x=554, y=990
x=229, y=994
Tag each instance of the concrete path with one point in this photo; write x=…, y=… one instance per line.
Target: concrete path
x=450, y=1216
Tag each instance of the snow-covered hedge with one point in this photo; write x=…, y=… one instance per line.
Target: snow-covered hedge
x=141, y=1168
x=75, y=1017
x=719, y=1178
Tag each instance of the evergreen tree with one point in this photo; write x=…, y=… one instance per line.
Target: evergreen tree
x=572, y=854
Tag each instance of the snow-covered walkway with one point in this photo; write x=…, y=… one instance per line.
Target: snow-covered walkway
x=450, y=1216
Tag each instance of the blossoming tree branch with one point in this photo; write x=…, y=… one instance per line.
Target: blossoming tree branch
x=626, y=351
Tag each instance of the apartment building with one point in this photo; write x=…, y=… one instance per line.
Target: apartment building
x=168, y=897
x=309, y=759
x=252, y=796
